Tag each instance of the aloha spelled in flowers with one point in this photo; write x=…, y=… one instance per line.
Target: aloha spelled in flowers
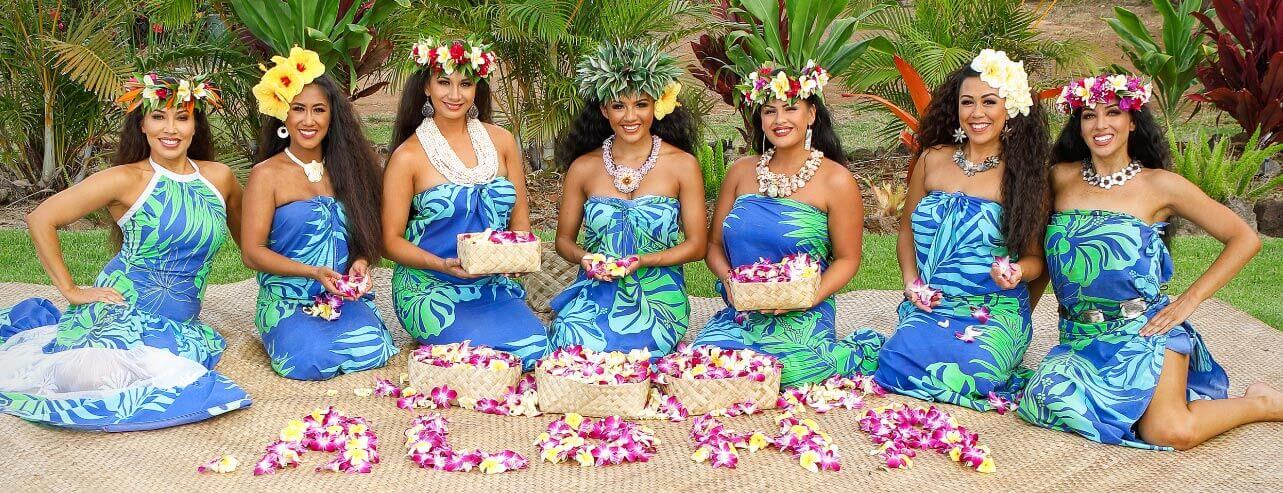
x=472, y=58
x=598, y=367
x=712, y=362
x=152, y=92
x=770, y=83
x=719, y=446
x=427, y=444
x=326, y=430
x=1129, y=92
x=599, y=264
x=618, y=441
x=285, y=80
x=500, y=237
x=791, y=268
x=813, y=449
x=901, y=431
x=1008, y=77
x=518, y=400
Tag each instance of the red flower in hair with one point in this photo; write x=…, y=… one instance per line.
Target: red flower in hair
x=794, y=87
x=456, y=51
x=162, y=93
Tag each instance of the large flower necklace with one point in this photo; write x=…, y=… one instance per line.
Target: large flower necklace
x=777, y=185
x=628, y=179
x=970, y=168
x=448, y=163
x=1115, y=179
x=314, y=169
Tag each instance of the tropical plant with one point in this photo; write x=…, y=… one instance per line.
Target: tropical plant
x=1245, y=78
x=1220, y=173
x=1172, y=64
x=539, y=42
x=888, y=198
x=712, y=162
x=938, y=36
x=353, y=38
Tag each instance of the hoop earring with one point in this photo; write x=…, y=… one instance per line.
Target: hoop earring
x=282, y=132
x=808, y=138
x=473, y=112
x=428, y=110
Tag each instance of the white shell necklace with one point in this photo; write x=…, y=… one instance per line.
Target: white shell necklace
x=628, y=179
x=776, y=185
x=314, y=169
x=447, y=162
x=1115, y=179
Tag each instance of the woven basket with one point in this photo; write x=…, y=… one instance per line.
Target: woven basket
x=470, y=382
x=749, y=296
x=702, y=396
x=564, y=395
x=496, y=258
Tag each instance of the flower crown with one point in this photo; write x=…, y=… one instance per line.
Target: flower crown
x=471, y=58
x=1008, y=77
x=153, y=92
x=1130, y=92
x=629, y=68
x=770, y=82
x=281, y=83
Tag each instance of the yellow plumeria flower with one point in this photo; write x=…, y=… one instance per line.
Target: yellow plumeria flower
x=987, y=466
x=550, y=455
x=780, y=85
x=810, y=461
x=356, y=429
x=574, y=420
x=585, y=458
x=498, y=365
x=757, y=442
x=667, y=102
x=293, y=431
x=701, y=454
x=491, y=465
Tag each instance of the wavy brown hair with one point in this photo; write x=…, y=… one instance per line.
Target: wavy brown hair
x=133, y=148
x=590, y=129
x=409, y=113
x=1026, y=147
x=1147, y=144
x=823, y=136
x=353, y=167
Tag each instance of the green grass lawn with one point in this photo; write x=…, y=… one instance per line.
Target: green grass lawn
x=1258, y=290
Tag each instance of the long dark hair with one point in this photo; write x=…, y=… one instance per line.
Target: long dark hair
x=590, y=129
x=1147, y=144
x=1025, y=149
x=353, y=167
x=409, y=113
x=823, y=137
x=133, y=147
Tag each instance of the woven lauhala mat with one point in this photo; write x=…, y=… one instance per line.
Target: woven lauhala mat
x=1029, y=459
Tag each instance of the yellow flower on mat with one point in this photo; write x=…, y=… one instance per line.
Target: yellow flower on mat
x=293, y=431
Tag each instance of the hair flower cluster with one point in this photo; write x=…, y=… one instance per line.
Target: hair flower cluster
x=472, y=58
x=1008, y=77
x=769, y=83
x=153, y=92
x=712, y=362
x=598, y=367
x=619, y=441
x=327, y=430
x=427, y=444
x=1129, y=92
x=285, y=80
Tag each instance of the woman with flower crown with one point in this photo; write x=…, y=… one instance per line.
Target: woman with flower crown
x=977, y=208
x=130, y=354
x=458, y=174
x=311, y=226
x=1130, y=369
x=797, y=197
x=634, y=188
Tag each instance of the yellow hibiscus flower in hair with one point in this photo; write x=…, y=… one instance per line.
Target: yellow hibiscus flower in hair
x=270, y=100
x=667, y=102
x=304, y=63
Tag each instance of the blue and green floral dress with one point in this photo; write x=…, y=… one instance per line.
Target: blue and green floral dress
x=1101, y=377
x=301, y=346
x=806, y=343
x=437, y=308
x=956, y=238
x=143, y=365
x=647, y=309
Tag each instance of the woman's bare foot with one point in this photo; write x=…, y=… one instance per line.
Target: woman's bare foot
x=1273, y=398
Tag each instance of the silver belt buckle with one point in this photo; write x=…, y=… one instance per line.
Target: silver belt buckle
x=1132, y=308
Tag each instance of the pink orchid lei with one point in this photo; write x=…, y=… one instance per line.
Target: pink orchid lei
x=518, y=400
x=835, y=392
x=900, y=431
x=599, y=264
x=720, y=446
x=1006, y=268
x=620, y=441
x=323, y=431
x=500, y=237
x=221, y=465
x=598, y=367
x=326, y=306
x=924, y=293
x=464, y=353
x=711, y=362
x=1130, y=92
x=746, y=408
x=664, y=406
x=427, y=444
x=352, y=286
x=813, y=448
x=790, y=268
x=1002, y=404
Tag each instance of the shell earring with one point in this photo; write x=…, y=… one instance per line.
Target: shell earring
x=428, y=110
x=808, y=138
x=282, y=132
x=473, y=112
x=959, y=135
